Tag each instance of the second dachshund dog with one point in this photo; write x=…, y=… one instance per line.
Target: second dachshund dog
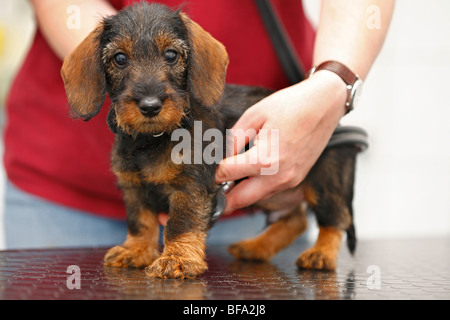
x=162, y=72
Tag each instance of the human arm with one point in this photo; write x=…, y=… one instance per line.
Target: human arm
x=52, y=17
x=306, y=113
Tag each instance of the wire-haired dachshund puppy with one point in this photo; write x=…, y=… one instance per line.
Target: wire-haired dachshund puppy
x=162, y=72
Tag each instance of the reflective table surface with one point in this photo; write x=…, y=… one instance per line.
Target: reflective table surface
x=383, y=269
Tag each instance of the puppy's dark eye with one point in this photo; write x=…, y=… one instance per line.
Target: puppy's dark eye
x=171, y=56
x=120, y=59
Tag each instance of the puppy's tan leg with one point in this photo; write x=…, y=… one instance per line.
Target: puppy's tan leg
x=183, y=257
x=184, y=237
x=324, y=254
x=277, y=236
x=329, y=193
x=140, y=248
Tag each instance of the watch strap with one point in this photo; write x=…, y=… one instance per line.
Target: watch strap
x=344, y=73
x=340, y=69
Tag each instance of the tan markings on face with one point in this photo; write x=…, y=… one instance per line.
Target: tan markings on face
x=131, y=120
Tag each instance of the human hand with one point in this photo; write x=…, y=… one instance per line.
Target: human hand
x=304, y=117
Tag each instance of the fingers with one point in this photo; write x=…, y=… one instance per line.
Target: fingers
x=241, y=165
x=247, y=164
x=244, y=130
x=262, y=159
x=247, y=193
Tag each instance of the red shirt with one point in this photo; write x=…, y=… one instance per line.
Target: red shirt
x=67, y=161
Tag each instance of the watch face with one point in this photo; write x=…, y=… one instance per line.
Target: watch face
x=356, y=93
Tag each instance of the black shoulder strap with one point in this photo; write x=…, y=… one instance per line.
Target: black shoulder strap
x=280, y=41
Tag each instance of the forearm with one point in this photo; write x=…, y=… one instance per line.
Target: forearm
x=52, y=17
x=352, y=33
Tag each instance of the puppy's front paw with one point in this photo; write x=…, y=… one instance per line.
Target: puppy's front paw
x=176, y=267
x=125, y=256
x=317, y=259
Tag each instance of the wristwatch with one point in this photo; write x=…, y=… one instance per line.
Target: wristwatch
x=353, y=82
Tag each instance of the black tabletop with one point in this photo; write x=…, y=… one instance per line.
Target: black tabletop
x=382, y=269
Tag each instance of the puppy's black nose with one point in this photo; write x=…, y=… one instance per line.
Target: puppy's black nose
x=150, y=106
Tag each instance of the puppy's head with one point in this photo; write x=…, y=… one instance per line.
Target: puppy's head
x=154, y=63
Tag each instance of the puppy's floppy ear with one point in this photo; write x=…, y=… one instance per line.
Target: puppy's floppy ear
x=208, y=64
x=84, y=78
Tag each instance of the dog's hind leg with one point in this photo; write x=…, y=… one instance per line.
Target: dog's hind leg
x=324, y=254
x=277, y=236
x=329, y=193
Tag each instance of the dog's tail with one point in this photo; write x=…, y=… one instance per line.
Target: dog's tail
x=351, y=238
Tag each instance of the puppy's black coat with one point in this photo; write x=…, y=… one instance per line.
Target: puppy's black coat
x=163, y=72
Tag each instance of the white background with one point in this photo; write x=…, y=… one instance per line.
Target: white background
x=403, y=179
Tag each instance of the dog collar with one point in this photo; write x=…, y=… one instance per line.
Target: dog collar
x=158, y=135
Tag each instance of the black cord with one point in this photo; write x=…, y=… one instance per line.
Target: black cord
x=281, y=43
